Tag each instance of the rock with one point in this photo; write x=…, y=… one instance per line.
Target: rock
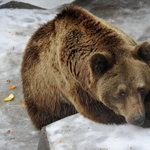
x=79, y=133
x=19, y=5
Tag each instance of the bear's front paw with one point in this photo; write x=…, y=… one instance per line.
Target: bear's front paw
x=146, y=124
x=147, y=98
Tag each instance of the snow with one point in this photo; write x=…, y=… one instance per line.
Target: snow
x=15, y=32
x=77, y=132
x=135, y=23
x=16, y=28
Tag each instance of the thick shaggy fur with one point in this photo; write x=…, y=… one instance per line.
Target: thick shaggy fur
x=80, y=63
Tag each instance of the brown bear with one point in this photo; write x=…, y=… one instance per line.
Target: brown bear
x=78, y=62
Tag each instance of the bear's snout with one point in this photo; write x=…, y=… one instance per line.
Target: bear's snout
x=139, y=119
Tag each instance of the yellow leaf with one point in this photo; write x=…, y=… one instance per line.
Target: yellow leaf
x=13, y=87
x=23, y=104
x=9, y=98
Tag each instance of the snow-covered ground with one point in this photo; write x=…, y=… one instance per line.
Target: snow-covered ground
x=79, y=133
x=16, y=27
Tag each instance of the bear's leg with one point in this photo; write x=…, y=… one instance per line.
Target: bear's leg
x=39, y=116
x=95, y=110
x=147, y=121
x=147, y=110
x=102, y=114
x=44, y=114
x=147, y=106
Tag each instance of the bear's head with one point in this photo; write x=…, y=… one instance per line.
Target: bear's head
x=123, y=84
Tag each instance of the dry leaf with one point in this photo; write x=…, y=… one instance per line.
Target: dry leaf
x=13, y=87
x=7, y=81
x=23, y=104
x=9, y=98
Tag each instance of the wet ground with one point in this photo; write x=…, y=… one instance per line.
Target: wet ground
x=16, y=130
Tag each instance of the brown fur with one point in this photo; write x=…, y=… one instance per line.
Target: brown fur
x=80, y=63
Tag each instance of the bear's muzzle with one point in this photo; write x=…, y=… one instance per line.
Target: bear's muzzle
x=139, y=119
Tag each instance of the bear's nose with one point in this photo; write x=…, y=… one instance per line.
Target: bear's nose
x=139, y=119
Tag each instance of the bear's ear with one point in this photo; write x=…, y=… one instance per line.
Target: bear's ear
x=142, y=51
x=100, y=63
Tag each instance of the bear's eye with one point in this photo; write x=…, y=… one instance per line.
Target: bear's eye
x=123, y=94
x=142, y=91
